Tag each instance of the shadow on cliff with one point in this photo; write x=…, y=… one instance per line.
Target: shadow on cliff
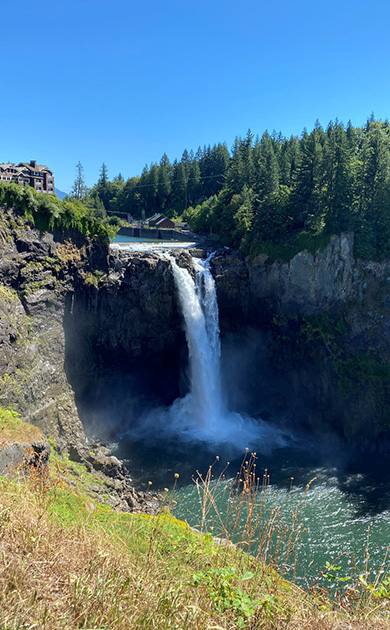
x=113, y=390
x=112, y=383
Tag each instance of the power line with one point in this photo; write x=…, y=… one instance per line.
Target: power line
x=177, y=180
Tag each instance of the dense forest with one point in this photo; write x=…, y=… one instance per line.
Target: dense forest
x=268, y=191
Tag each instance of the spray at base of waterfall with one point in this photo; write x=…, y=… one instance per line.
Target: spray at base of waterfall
x=202, y=415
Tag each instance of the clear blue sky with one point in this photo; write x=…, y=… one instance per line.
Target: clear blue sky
x=118, y=82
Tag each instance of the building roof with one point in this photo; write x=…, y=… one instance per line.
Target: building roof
x=36, y=168
x=19, y=168
x=162, y=219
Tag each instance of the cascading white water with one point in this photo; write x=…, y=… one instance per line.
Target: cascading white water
x=200, y=311
x=202, y=415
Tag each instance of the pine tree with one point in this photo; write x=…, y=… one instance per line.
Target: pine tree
x=249, y=167
x=179, y=187
x=194, y=184
x=102, y=186
x=164, y=185
x=79, y=189
x=153, y=181
x=266, y=167
x=306, y=200
x=338, y=178
x=373, y=181
x=235, y=179
x=103, y=174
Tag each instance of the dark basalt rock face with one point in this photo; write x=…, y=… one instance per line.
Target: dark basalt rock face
x=73, y=320
x=93, y=338
x=254, y=290
x=322, y=329
x=58, y=310
x=124, y=342
x=21, y=458
x=33, y=289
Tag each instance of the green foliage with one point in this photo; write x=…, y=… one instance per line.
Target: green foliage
x=332, y=574
x=226, y=594
x=92, y=278
x=381, y=589
x=14, y=429
x=79, y=190
x=288, y=246
x=362, y=377
x=298, y=340
x=7, y=294
x=10, y=418
x=269, y=195
x=141, y=571
x=271, y=189
x=50, y=214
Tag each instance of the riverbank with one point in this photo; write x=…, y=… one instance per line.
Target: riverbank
x=70, y=562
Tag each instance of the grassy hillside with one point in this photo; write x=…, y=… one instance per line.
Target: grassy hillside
x=67, y=562
x=13, y=429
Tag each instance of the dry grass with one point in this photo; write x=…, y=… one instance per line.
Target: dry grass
x=14, y=430
x=66, y=563
x=253, y=520
x=68, y=252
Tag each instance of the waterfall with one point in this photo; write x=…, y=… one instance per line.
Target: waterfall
x=202, y=415
x=200, y=310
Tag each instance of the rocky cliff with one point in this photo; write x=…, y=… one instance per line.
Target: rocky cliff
x=34, y=283
x=325, y=323
x=306, y=285
x=92, y=339
x=71, y=320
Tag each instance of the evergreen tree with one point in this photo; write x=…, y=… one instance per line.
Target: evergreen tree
x=102, y=186
x=249, y=168
x=243, y=217
x=164, y=185
x=373, y=184
x=79, y=190
x=153, y=183
x=266, y=167
x=287, y=158
x=306, y=208
x=194, y=184
x=179, y=187
x=333, y=180
x=235, y=179
x=103, y=175
x=338, y=178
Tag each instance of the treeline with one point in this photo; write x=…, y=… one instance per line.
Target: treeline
x=324, y=182
x=165, y=187
x=268, y=190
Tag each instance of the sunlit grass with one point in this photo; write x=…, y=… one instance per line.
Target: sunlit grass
x=67, y=562
x=13, y=429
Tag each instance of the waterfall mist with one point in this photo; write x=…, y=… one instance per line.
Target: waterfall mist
x=202, y=416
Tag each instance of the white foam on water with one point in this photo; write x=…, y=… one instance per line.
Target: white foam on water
x=202, y=415
x=150, y=246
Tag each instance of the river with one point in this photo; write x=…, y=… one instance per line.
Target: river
x=343, y=515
